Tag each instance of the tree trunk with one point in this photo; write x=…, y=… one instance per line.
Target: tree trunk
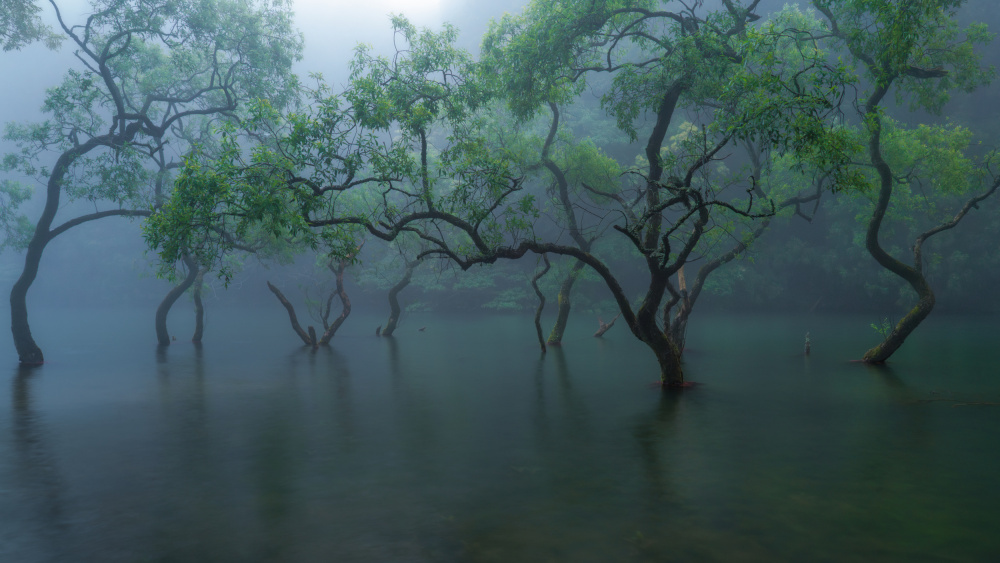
x=904, y=327
x=199, y=307
x=664, y=348
x=346, y=310
x=669, y=357
x=541, y=302
x=562, y=316
x=913, y=275
x=162, y=336
x=291, y=316
x=28, y=351
x=394, y=308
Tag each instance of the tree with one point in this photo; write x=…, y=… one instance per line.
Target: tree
x=147, y=68
x=574, y=167
x=325, y=307
x=406, y=148
x=664, y=62
x=410, y=266
x=916, y=50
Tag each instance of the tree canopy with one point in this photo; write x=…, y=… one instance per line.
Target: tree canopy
x=151, y=80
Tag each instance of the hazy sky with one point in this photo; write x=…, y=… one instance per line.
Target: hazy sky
x=332, y=29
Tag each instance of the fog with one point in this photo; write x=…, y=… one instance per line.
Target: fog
x=106, y=262
x=306, y=325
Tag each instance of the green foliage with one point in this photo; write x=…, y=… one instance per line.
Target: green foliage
x=916, y=45
x=883, y=328
x=432, y=145
x=533, y=56
x=16, y=227
x=512, y=299
x=21, y=25
x=405, y=141
x=157, y=76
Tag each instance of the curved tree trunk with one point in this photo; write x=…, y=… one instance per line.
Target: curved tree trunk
x=199, y=307
x=912, y=275
x=572, y=224
x=541, y=301
x=344, y=300
x=292, y=316
x=162, y=336
x=562, y=317
x=394, y=308
x=904, y=327
x=643, y=323
x=28, y=351
x=667, y=353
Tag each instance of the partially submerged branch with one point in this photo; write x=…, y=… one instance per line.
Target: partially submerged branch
x=604, y=327
x=306, y=339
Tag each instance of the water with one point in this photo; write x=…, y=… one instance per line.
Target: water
x=459, y=443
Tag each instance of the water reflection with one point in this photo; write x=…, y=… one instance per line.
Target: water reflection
x=653, y=435
x=436, y=448
x=41, y=501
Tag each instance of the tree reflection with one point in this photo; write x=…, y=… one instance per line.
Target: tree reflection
x=653, y=434
x=36, y=472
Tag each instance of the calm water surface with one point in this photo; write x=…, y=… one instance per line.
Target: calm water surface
x=461, y=443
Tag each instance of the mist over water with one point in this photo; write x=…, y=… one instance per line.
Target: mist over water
x=456, y=440
x=461, y=443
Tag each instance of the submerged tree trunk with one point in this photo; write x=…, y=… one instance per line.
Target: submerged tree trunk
x=904, y=327
x=344, y=300
x=669, y=357
x=912, y=275
x=199, y=307
x=644, y=326
x=162, y=336
x=394, y=308
x=28, y=351
x=310, y=337
x=541, y=301
x=564, y=303
x=292, y=316
x=668, y=354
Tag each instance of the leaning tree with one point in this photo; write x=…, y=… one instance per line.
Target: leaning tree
x=916, y=51
x=143, y=69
